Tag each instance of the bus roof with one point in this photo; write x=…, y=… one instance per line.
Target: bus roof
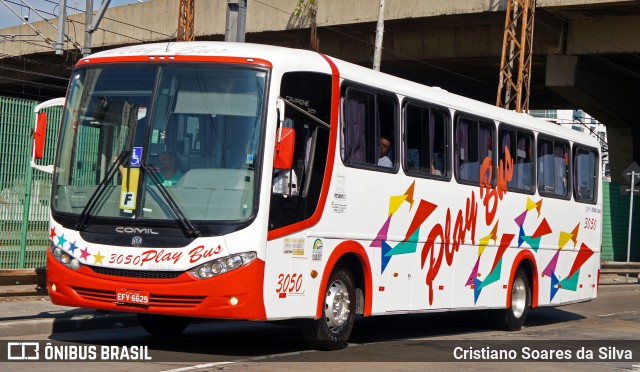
x=298, y=59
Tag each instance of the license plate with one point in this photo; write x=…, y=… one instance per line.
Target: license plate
x=129, y=296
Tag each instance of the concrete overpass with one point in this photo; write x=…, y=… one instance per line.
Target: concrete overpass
x=586, y=52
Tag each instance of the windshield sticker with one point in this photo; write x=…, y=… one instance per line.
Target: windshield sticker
x=154, y=136
x=142, y=112
x=136, y=155
x=249, y=159
x=339, y=203
x=129, y=187
x=294, y=246
x=316, y=253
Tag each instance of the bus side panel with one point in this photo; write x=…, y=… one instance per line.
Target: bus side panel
x=289, y=289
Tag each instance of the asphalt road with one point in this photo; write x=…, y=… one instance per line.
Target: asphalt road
x=607, y=325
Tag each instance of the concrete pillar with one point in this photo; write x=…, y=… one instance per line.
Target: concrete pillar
x=605, y=93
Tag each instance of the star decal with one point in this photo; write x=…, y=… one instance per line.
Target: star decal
x=98, y=257
x=73, y=247
x=85, y=253
x=53, y=233
x=61, y=241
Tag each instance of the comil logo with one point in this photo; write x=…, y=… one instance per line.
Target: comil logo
x=23, y=351
x=136, y=230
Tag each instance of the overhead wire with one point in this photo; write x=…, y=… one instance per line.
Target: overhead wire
x=115, y=20
x=100, y=28
x=605, y=60
x=28, y=82
x=384, y=48
x=30, y=72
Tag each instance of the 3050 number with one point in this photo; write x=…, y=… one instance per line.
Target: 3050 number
x=590, y=223
x=289, y=283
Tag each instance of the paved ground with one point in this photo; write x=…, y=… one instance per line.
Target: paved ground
x=24, y=310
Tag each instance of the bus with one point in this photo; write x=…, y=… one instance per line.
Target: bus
x=244, y=181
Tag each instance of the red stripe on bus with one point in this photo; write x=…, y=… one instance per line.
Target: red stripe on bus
x=525, y=255
x=342, y=249
x=326, y=181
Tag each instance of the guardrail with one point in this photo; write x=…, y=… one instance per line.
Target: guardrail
x=23, y=276
x=620, y=268
x=38, y=277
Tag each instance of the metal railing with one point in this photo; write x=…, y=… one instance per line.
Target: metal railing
x=19, y=247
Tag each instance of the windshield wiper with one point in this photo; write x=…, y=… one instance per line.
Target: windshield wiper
x=93, y=200
x=189, y=228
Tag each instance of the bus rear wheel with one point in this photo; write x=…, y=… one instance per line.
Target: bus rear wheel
x=513, y=317
x=332, y=330
x=163, y=325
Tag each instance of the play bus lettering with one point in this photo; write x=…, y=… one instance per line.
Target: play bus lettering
x=242, y=181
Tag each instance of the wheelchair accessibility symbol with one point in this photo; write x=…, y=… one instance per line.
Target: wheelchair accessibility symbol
x=136, y=156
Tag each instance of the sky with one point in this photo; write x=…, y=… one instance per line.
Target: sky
x=9, y=19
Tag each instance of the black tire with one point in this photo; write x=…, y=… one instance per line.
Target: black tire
x=513, y=317
x=163, y=325
x=332, y=331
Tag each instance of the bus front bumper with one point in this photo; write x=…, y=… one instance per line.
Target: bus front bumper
x=233, y=295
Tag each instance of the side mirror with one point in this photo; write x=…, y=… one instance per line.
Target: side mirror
x=39, y=135
x=285, y=144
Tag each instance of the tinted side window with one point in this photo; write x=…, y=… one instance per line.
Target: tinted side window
x=473, y=145
x=516, y=146
x=369, y=129
x=584, y=175
x=426, y=138
x=553, y=168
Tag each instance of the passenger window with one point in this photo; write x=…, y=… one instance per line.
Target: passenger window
x=553, y=168
x=516, y=146
x=584, y=175
x=426, y=141
x=369, y=129
x=473, y=141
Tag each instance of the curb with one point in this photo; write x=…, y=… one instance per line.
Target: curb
x=82, y=321
x=618, y=287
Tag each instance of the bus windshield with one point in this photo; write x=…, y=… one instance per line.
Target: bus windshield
x=184, y=139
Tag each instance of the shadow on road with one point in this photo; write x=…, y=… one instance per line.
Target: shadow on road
x=250, y=339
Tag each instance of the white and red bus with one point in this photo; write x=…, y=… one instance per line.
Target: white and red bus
x=241, y=181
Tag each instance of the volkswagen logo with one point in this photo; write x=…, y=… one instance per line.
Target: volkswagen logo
x=136, y=241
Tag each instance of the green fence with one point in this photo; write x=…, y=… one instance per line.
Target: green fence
x=24, y=210
x=615, y=229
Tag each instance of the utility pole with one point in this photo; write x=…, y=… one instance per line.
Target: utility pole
x=59, y=47
x=513, y=91
x=92, y=24
x=377, y=53
x=88, y=34
x=186, y=14
x=236, y=21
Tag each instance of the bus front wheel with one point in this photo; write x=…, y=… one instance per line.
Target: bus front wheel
x=332, y=330
x=513, y=317
x=163, y=325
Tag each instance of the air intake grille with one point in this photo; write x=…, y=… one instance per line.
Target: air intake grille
x=136, y=273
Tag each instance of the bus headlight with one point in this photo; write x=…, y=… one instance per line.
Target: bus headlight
x=65, y=258
x=222, y=265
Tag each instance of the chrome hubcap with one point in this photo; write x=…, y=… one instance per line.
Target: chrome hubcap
x=518, y=297
x=336, y=306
